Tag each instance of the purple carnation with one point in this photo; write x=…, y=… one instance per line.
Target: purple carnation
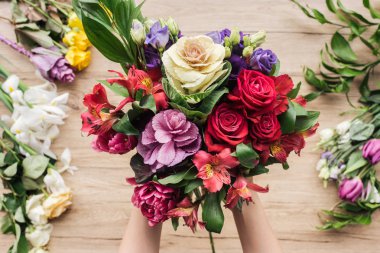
x=168, y=139
x=52, y=65
x=158, y=36
x=371, y=151
x=263, y=60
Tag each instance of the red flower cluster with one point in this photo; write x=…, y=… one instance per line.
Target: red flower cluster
x=250, y=116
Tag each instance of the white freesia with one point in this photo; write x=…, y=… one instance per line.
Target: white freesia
x=324, y=173
x=54, y=182
x=38, y=236
x=38, y=250
x=321, y=163
x=343, y=127
x=11, y=84
x=65, y=159
x=326, y=134
x=193, y=64
x=371, y=194
x=35, y=211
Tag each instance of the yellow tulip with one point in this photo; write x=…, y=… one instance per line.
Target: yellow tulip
x=77, y=58
x=76, y=38
x=74, y=21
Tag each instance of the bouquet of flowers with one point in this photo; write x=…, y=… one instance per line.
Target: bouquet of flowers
x=36, y=191
x=205, y=112
x=51, y=36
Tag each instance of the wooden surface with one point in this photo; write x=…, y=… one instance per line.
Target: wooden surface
x=102, y=205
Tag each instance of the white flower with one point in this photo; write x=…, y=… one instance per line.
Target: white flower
x=138, y=32
x=258, y=38
x=321, y=163
x=344, y=139
x=173, y=26
x=38, y=236
x=193, y=64
x=11, y=84
x=35, y=211
x=38, y=250
x=57, y=203
x=335, y=171
x=371, y=194
x=343, y=127
x=54, y=182
x=326, y=134
x=66, y=162
x=324, y=173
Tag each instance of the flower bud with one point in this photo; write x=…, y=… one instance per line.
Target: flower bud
x=247, y=51
x=138, y=32
x=148, y=24
x=246, y=40
x=228, y=52
x=326, y=134
x=235, y=36
x=227, y=42
x=258, y=38
x=371, y=151
x=343, y=127
x=173, y=26
x=351, y=189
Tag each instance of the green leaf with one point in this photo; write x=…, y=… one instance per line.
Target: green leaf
x=19, y=215
x=195, y=116
x=192, y=185
x=209, y=104
x=7, y=225
x=34, y=166
x=361, y=162
x=173, y=94
x=142, y=171
x=304, y=123
x=29, y=184
x=360, y=131
x=175, y=223
x=11, y=170
x=342, y=48
x=104, y=40
x=258, y=170
x=320, y=17
x=175, y=178
x=2, y=158
x=116, y=88
x=294, y=92
x=288, y=120
x=21, y=244
x=246, y=155
x=125, y=126
x=300, y=110
x=314, y=81
x=276, y=69
x=331, y=6
x=148, y=102
x=31, y=31
x=212, y=213
x=313, y=95
x=374, y=12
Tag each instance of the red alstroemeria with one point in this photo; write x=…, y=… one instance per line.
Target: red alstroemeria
x=189, y=212
x=300, y=100
x=283, y=85
x=141, y=80
x=213, y=169
x=240, y=189
x=100, y=115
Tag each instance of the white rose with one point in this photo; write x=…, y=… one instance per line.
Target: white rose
x=35, y=211
x=193, y=64
x=38, y=236
x=326, y=134
x=38, y=250
x=343, y=127
x=57, y=203
x=54, y=182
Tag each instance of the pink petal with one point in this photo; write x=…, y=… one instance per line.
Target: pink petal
x=201, y=158
x=166, y=153
x=163, y=136
x=227, y=160
x=213, y=184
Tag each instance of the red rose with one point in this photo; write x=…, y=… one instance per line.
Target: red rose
x=256, y=91
x=226, y=127
x=265, y=131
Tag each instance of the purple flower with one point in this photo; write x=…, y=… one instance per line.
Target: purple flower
x=52, y=65
x=351, y=189
x=371, y=151
x=168, y=139
x=158, y=36
x=155, y=201
x=327, y=155
x=152, y=57
x=238, y=63
x=114, y=143
x=263, y=60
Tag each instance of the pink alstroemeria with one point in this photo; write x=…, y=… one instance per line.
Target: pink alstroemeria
x=189, y=212
x=240, y=189
x=213, y=169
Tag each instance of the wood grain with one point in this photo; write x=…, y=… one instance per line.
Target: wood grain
x=102, y=205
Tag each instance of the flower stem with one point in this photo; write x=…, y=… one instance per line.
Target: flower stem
x=211, y=242
x=16, y=46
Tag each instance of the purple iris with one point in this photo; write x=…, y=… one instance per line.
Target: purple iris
x=158, y=36
x=263, y=60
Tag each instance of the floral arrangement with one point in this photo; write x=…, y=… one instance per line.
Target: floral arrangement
x=351, y=151
x=204, y=112
x=36, y=191
x=51, y=36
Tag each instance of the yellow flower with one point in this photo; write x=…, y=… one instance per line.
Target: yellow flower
x=74, y=21
x=77, y=58
x=57, y=203
x=77, y=38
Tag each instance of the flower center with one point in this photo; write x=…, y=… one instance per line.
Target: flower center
x=209, y=170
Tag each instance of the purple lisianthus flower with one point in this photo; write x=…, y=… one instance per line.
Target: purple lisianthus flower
x=168, y=139
x=371, y=151
x=327, y=155
x=238, y=63
x=263, y=60
x=152, y=57
x=52, y=65
x=351, y=189
x=158, y=36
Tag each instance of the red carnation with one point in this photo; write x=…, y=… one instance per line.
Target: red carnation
x=266, y=131
x=226, y=127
